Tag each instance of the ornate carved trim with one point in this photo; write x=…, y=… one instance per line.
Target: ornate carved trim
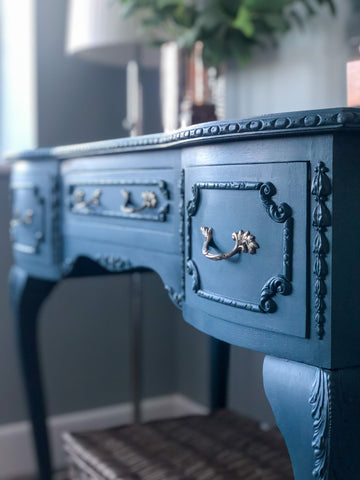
x=288, y=234
x=193, y=204
x=321, y=189
x=279, y=213
x=158, y=216
x=194, y=272
x=113, y=262
x=110, y=261
x=55, y=219
x=320, y=401
x=277, y=284
x=178, y=297
x=309, y=121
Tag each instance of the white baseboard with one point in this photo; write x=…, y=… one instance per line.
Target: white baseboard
x=16, y=452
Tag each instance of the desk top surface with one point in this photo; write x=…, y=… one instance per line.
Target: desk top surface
x=280, y=124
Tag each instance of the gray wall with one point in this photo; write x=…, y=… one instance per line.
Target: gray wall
x=306, y=71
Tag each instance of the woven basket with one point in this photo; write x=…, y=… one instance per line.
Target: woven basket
x=220, y=446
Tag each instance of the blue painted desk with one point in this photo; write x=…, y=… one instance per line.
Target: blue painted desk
x=253, y=227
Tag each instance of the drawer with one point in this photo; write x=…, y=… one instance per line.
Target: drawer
x=27, y=225
x=121, y=198
x=122, y=206
x=247, y=229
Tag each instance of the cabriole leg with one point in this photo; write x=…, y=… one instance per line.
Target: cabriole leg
x=27, y=294
x=318, y=413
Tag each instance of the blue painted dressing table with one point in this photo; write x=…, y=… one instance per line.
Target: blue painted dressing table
x=253, y=227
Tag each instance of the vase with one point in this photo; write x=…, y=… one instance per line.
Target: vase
x=191, y=93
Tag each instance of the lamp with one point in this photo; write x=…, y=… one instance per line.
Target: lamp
x=98, y=32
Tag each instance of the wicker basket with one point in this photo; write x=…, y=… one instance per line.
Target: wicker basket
x=220, y=446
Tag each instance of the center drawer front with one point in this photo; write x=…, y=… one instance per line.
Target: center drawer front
x=123, y=206
x=262, y=209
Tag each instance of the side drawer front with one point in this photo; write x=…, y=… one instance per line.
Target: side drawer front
x=262, y=210
x=35, y=224
x=27, y=225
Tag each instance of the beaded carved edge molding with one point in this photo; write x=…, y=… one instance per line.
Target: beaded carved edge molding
x=282, y=123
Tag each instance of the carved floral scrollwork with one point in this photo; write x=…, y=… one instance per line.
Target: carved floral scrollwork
x=321, y=413
x=176, y=297
x=113, y=262
x=321, y=220
x=279, y=213
x=194, y=202
x=277, y=284
x=193, y=271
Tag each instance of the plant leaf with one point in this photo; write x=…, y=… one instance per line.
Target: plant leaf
x=243, y=22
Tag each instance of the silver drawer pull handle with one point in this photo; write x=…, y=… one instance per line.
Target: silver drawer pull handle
x=244, y=242
x=17, y=220
x=79, y=197
x=149, y=198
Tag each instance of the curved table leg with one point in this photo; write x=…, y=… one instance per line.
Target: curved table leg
x=27, y=294
x=318, y=413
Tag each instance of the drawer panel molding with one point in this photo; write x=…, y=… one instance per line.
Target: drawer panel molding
x=178, y=297
x=282, y=213
x=321, y=189
x=154, y=206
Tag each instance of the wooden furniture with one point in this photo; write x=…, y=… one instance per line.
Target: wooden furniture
x=252, y=225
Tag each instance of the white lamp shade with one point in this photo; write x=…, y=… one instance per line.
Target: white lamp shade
x=97, y=31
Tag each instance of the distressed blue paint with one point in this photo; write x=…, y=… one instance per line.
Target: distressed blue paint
x=292, y=180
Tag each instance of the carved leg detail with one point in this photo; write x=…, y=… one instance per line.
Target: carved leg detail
x=27, y=294
x=318, y=413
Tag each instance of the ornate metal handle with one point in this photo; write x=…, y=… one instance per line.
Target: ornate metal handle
x=26, y=220
x=80, y=202
x=244, y=242
x=149, y=198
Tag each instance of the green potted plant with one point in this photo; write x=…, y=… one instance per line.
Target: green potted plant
x=215, y=31
x=228, y=29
